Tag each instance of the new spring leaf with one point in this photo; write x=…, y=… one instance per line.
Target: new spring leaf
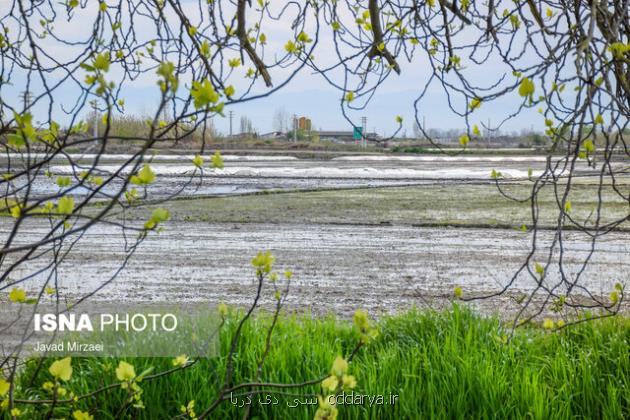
x=61, y=369
x=125, y=371
x=17, y=295
x=526, y=88
x=217, y=160
x=145, y=176
x=65, y=205
x=198, y=161
x=159, y=215
x=203, y=94
x=4, y=387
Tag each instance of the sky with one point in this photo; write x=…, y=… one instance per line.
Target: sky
x=322, y=105
x=308, y=94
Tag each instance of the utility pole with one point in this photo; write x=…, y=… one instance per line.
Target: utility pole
x=27, y=99
x=94, y=105
x=294, y=128
x=424, y=125
x=231, y=118
x=363, y=131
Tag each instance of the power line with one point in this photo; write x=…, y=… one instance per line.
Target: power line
x=27, y=99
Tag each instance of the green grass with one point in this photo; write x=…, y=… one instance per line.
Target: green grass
x=418, y=150
x=441, y=365
x=435, y=204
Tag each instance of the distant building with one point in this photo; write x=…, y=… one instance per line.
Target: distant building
x=273, y=135
x=243, y=136
x=344, y=136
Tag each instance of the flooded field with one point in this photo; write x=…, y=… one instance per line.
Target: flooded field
x=247, y=174
x=347, y=249
x=337, y=268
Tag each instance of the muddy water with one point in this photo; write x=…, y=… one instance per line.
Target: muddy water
x=337, y=267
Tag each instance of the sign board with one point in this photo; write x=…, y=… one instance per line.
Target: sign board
x=357, y=134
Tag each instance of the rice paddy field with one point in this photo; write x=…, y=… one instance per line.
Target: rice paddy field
x=359, y=231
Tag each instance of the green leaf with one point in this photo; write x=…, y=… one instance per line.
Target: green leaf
x=101, y=62
x=197, y=161
x=65, y=205
x=166, y=69
x=290, y=47
x=217, y=160
x=131, y=195
x=526, y=88
x=203, y=94
x=475, y=103
x=4, y=387
x=17, y=295
x=304, y=38
x=62, y=369
x=16, y=212
x=599, y=119
x=16, y=140
x=614, y=296
x=63, y=181
x=125, y=371
x=618, y=49
x=263, y=262
x=25, y=132
x=159, y=215
x=145, y=176
x=589, y=146
x=204, y=49
x=144, y=373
